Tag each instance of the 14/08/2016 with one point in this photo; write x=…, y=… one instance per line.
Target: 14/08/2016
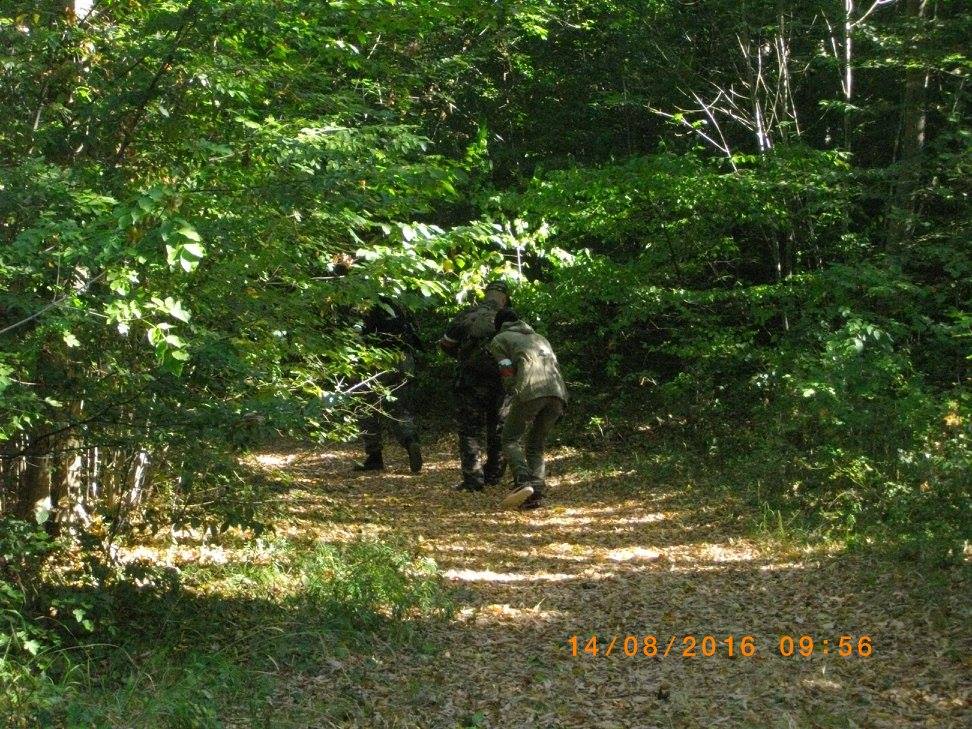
x=707, y=646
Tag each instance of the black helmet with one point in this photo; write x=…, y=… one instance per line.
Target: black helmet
x=498, y=285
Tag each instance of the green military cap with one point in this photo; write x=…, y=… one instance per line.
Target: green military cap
x=498, y=285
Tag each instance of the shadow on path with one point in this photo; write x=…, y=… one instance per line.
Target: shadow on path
x=617, y=555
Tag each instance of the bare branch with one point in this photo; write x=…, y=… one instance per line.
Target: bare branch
x=877, y=4
x=685, y=123
x=53, y=304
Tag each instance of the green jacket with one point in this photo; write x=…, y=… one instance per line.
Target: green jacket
x=532, y=359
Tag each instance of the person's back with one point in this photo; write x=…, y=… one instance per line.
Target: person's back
x=390, y=325
x=536, y=372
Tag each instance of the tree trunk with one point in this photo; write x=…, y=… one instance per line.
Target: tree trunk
x=35, y=484
x=912, y=140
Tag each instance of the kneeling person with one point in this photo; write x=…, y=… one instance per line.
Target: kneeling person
x=528, y=368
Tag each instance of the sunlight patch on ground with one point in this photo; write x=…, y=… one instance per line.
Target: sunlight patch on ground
x=608, y=474
x=713, y=553
x=490, y=576
x=275, y=460
x=623, y=508
x=599, y=521
x=732, y=553
x=562, y=454
x=635, y=554
x=565, y=550
x=822, y=684
x=507, y=612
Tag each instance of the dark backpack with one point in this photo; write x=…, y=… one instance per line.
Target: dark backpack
x=479, y=328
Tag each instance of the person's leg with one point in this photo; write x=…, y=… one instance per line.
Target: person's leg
x=516, y=425
x=402, y=421
x=518, y=422
x=496, y=412
x=547, y=415
x=470, y=419
x=370, y=427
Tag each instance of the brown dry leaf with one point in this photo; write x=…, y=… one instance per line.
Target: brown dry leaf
x=599, y=562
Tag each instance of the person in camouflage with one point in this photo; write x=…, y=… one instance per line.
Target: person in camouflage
x=390, y=325
x=479, y=391
x=531, y=376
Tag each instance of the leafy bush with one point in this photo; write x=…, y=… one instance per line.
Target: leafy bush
x=367, y=584
x=752, y=312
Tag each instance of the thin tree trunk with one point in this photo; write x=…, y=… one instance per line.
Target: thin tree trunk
x=848, y=83
x=35, y=484
x=912, y=140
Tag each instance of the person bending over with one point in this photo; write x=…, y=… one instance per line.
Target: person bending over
x=531, y=377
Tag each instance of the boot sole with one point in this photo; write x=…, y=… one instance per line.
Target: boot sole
x=518, y=497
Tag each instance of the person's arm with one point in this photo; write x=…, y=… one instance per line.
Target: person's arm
x=500, y=350
x=412, y=338
x=450, y=341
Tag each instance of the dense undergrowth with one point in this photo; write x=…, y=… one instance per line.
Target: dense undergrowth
x=151, y=645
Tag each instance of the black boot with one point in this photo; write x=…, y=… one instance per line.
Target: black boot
x=468, y=484
x=534, y=502
x=494, y=479
x=371, y=463
x=494, y=473
x=414, y=456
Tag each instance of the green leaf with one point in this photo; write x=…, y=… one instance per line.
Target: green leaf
x=187, y=231
x=194, y=249
x=176, y=310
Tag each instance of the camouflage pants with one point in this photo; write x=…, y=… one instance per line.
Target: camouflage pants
x=387, y=414
x=480, y=408
x=525, y=435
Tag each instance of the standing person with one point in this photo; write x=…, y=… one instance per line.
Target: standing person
x=530, y=374
x=479, y=391
x=390, y=325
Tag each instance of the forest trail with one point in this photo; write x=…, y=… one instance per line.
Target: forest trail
x=615, y=554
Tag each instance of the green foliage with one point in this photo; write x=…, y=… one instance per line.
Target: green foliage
x=174, y=665
x=750, y=310
x=23, y=550
x=368, y=583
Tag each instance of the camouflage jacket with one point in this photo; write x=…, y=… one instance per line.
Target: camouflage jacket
x=530, y=361
x=392, y=326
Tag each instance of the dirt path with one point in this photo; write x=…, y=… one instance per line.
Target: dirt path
x=618, y=555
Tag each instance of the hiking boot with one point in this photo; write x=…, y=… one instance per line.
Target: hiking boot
x=534, y=502
x=371, y=463
x=468, y=486
x=494, y=475
x=415, y=456
x=518, y=496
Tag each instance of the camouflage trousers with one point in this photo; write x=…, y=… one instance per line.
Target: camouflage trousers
x=387, y=414
x=480, y=411
x=525, y=435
